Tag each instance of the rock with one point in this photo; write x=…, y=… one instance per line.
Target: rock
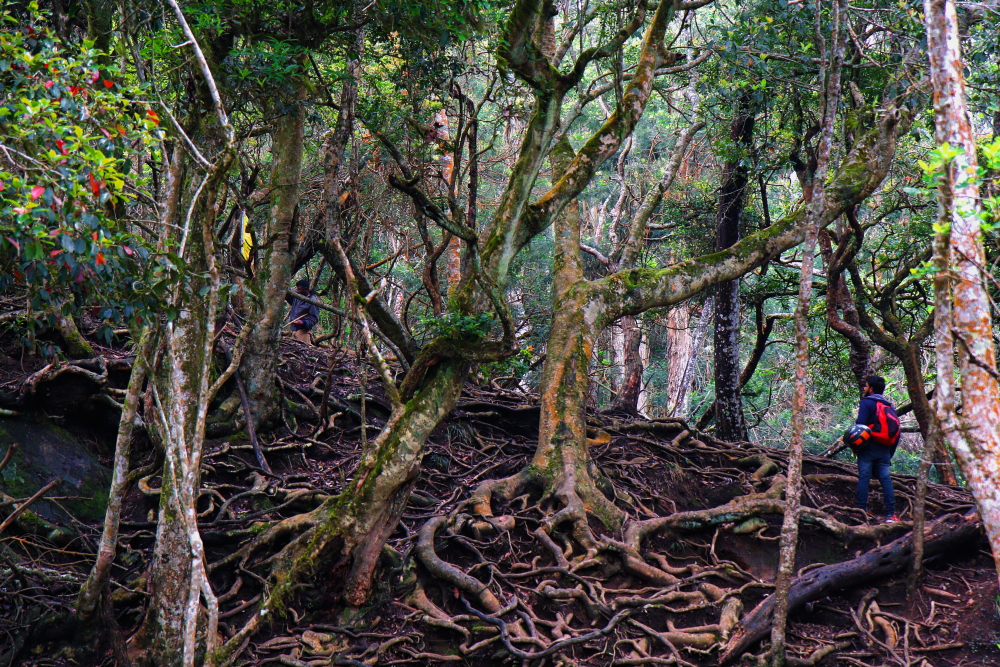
x=50, y=452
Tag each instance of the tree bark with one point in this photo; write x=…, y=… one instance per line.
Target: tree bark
x=830, y=69
x=260, y=361
x=90, y=592
x=175, y=620
x=633, y=367
x=838, y=298
x=680, y=349
x=962, y=305
x=730, y=420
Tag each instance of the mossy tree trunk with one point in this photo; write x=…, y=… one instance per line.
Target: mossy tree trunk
x=350, y=529
x=274, y=272
x=182, y=616
x=356, y=523
x=181, y=395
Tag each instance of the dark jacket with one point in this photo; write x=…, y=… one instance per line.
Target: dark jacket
x=304, y=314
x=868, y=411
x=869, y=408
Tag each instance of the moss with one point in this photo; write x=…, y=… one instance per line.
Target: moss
x=859, y=120
x=94, y=503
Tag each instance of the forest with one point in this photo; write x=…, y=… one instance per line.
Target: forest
x=499, y=332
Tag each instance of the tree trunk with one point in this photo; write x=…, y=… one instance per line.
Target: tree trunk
x=697, y=345
x=260, y=360
x=352, y=527
x=923, y=411
x=838, y=298
x=631, y=384
x=90, y=592
x=175, y=620
x=830, y=68
x=764, y=326
x=962, y=305
x=730, y=421
x=561, y=456
x=680, y=347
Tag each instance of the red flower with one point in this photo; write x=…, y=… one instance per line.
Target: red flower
x=49, y=84
x=61, y=145
x=95, y=186
x=73, y=90
x=100, y=258
x=94, y=236
x=37, y=192
x=108, y=84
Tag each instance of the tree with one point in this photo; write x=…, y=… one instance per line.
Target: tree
x=730, y=422
x=962, y=306
x=831, y=62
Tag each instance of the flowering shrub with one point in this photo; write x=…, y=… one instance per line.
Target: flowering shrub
x=71, y=136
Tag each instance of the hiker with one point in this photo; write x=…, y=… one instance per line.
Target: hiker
x=304, y=315
x=873, y=440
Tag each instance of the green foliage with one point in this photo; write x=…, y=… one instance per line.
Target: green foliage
x=72, y=132
x=516, y=366
x=456, y=325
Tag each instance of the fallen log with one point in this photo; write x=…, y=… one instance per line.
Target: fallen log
x=880, y=562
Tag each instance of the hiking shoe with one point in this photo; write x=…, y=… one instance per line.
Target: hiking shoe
x=892, y=519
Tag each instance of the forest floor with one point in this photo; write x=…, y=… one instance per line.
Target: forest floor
x=561, y=606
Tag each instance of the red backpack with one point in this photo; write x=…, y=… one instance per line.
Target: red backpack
x=885, y=430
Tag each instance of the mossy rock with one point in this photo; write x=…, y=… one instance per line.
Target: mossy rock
x=48, y=452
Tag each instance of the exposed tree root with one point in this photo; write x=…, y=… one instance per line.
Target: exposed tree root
x=880, y=562
x=544, y=574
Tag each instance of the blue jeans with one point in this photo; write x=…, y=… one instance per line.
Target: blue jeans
x=877, y=457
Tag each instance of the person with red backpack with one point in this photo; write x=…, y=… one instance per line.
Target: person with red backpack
x=874, y=452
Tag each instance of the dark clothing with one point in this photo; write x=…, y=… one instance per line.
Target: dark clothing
x=868, y=414
x=304, y=315
x=874, y=457
x=868, y=408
